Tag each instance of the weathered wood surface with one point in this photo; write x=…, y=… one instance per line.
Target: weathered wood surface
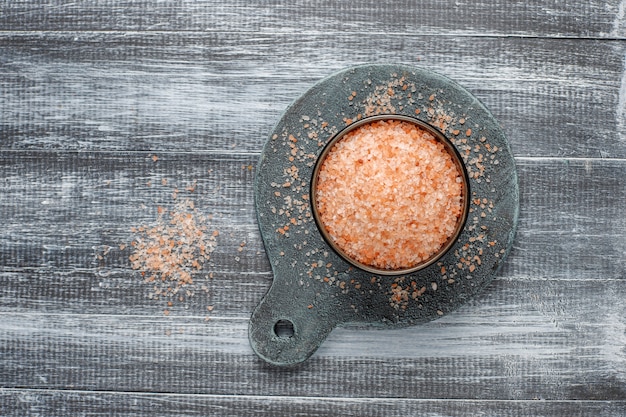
x=224, y=91
x=578, y=19
x=82, y=206
x=553, y=351
x=91, y=93
x=550, y=327
x=68, y=402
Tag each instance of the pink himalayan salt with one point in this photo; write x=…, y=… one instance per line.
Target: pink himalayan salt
x=389, y=195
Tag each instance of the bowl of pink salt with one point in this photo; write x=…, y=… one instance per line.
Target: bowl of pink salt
x=390, y=194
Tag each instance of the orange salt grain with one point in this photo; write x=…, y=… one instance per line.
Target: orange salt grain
x=172, y=249
x=389, y=194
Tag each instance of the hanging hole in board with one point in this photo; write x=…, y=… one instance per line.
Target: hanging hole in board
x=284, y=329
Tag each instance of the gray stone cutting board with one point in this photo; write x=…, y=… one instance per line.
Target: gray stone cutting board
x=315, y=290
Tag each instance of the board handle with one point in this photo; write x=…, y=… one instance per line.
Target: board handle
x=286, y=329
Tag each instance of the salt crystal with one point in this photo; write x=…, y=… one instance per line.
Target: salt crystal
x=389, y=194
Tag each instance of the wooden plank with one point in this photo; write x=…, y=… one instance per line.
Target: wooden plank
x=224, y=91
x=65, y=208
x=593, y=18
x=523, y=340
x=53, y=402
x=68, y=215
x=572, y=220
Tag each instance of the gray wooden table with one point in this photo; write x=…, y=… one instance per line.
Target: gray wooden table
x=115, y=115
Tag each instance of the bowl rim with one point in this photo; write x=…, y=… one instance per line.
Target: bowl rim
x=458, y=161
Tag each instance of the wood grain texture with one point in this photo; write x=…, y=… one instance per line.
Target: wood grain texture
x=580, y=19
x=68, y=214
x=107, y=107
x=487, y=353
x=223, y=92
x=73, y=321
x=51, y=403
